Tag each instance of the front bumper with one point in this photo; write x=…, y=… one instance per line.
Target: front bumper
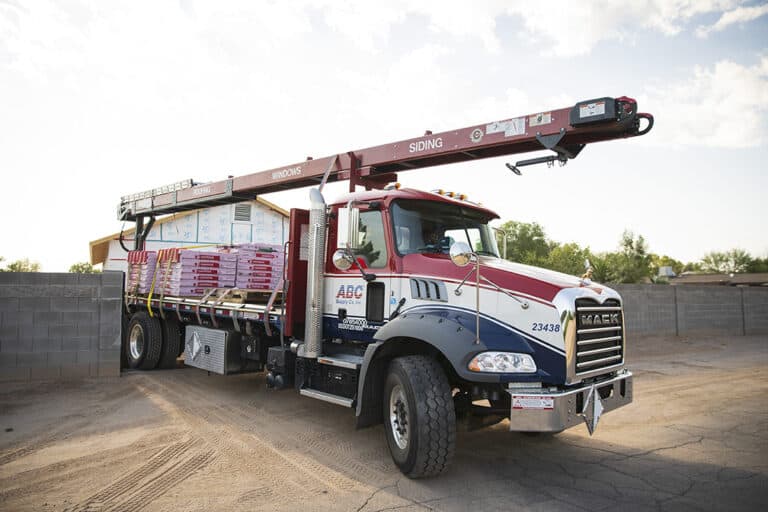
x=539, y=410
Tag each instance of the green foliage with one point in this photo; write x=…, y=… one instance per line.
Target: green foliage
x=601, y=270
x=631, y=263
x=526, y=242
x=83, y=267
x=23, y=265
x=665, y=261
x=694, y=266
x=568, y=259
x=758, y=265
x=729, y=262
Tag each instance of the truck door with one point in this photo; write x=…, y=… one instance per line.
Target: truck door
x=298, y=254
x=356, y=308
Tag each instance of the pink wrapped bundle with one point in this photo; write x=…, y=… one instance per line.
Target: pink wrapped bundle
x=141, y=269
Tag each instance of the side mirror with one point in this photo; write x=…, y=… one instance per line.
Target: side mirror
x=348, y=224
x=342, y=259
x=461, y=254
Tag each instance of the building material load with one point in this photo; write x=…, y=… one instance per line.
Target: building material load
x=259, y=266
x=183, y=272
x=141, y=270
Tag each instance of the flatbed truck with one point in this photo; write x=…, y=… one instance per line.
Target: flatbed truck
x=394, y=302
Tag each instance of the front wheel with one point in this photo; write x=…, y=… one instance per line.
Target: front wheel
x=420, y=421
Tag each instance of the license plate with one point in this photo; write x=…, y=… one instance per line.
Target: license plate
x=533, y=402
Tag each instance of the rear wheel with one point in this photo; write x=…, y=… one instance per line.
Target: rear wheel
x=419, y=417
x=144, y=341
x=171, y=343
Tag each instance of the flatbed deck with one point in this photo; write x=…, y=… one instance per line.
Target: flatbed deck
x=213, y=307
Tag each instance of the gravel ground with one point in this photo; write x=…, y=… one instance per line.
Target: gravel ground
x=696, y=438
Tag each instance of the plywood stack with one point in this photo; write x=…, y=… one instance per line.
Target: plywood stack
x=259, y=266
x=141, y=269
x=182, y=272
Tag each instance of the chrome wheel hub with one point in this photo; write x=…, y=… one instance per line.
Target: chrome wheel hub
x=136, y=341
x=398, y=417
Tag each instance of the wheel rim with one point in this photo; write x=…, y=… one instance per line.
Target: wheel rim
x=136, y=341
x=398, y=417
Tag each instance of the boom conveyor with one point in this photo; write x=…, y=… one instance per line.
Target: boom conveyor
x=565, y=131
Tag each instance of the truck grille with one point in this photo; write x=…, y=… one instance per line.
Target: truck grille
x=599, y=335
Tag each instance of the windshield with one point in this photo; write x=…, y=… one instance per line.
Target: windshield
x=432, y=227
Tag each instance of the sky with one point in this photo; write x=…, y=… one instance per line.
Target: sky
x=104, y=98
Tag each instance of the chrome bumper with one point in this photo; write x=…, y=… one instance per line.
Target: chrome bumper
x=538, y=410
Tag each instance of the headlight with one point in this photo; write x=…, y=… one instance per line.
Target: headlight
x=502, y=362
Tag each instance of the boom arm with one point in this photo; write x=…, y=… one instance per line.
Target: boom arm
x=565, y=131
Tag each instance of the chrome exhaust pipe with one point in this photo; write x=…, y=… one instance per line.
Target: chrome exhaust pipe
x=313, y=330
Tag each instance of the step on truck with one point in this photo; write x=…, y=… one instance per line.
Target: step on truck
x=394, y=303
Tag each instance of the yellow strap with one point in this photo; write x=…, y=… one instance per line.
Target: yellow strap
x=165, y=283
x=152, y=288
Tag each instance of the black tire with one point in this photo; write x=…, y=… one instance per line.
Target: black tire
x=419, y=417
x=171, y=343
x=144, y=341
x=181, y=343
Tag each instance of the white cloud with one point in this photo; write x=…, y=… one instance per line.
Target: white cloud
x=721, y=106
x=560, y=28
x=738, y=15
x=568, y=28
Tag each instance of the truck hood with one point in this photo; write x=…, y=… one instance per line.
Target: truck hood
x=550, y=276
x=534, y=281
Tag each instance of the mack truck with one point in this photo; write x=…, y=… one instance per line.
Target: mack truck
x=396, y=304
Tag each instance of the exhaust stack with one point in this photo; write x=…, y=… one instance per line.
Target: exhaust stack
x=313, y=330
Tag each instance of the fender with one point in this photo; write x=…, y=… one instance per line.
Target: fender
x=451, y=332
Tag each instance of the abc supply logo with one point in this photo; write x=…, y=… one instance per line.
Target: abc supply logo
x=350, y=294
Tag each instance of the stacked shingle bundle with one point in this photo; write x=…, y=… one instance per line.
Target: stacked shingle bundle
x=141, y=268
x=259, y=266
x=191, y=273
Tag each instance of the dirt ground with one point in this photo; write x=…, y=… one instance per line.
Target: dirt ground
x=696, y=438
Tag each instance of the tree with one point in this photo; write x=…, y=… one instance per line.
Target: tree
x=694, y=266
x=729, y=262
x=630, y=264
x=658, y=262
x=526, y=242
x=568, y=258
x=23, y=265
x=758, y=265
x=601, y=271
x=83, y=267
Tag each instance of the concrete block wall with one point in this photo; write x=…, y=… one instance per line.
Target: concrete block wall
x=691, y=310
x=709, y=309
x=649, y=309
x=755, y=302
x=59, y=325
